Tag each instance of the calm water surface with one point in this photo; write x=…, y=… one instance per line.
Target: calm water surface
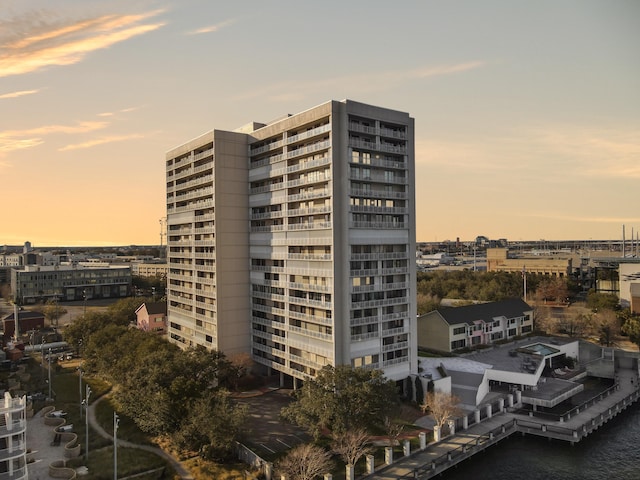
x=610, y=453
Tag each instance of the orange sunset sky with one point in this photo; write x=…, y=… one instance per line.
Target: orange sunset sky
x=527, y=113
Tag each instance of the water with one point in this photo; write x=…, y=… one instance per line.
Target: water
x=612, y=453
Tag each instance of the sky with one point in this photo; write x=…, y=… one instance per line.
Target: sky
x=527, y=114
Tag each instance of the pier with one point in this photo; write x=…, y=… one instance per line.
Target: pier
x=571, y=427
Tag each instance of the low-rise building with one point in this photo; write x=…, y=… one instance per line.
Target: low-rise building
x=500, y=260
x=152, y=317
x=149, y=269
x=40, y=283
x=26, y=321
x=449, y=329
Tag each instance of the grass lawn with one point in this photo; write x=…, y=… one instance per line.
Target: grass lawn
x=131, y=461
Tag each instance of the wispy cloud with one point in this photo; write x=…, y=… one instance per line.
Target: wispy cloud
x=212, y=28
x=373, y=81
x=21, y=93
x=100, y=141
x=11, y=140
x=37, y=40
x=123, y=110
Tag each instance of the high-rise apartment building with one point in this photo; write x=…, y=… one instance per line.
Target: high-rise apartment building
x=295, y=241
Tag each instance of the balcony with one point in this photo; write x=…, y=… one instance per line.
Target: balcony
x=309, y=133
x=309, y=149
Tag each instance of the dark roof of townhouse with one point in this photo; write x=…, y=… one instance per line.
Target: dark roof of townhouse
x=512, y=307
x=154, y=308
x=25, y=315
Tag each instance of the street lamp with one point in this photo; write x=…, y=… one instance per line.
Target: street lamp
x=49, y=373
x=80, y=385
x=116, y=421
x=86, y=422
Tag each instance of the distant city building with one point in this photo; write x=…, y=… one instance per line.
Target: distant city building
x=149, y=269
x=152, y=317
x=294, y=241
x=498, y=260
x=449, y=329
x=38, y=283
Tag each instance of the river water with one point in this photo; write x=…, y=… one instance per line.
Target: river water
x=611, y=453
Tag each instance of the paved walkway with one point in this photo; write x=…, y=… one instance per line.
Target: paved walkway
x=40, y=436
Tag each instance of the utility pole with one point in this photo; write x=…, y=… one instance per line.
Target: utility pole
x=116, y=422
x=86, y=422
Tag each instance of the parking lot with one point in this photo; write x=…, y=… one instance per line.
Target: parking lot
x=267, y=434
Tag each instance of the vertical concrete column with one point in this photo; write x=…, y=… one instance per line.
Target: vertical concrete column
x=268, y=471
x=406, y=448
x=423, y=440
x=436, y=433
x=328, y=476
x=452, y=427
x=388, y=455
x=510, y=400
x=501, y=405
x=371, y=465
x=518, y=396
x=476, y=416
x=348, y=471
x=489, y=411
x=465, y=422
x=281, y=380
x=544, y=428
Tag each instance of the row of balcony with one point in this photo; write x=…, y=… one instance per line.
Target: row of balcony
x=379, y=146
x=385, y=132
x=368, y=193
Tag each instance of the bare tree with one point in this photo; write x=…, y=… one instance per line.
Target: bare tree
x=441, y=406
x=351, y=445
x=394, y=430
x=304, y=462
x=608, y=327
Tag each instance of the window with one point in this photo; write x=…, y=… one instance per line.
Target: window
x=459, y=330
x=458, y=344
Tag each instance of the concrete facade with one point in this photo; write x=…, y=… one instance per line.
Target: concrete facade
x=295, y=241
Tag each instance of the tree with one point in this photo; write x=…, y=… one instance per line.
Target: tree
x=351, y=445
x=342, y=398
x=52, y=311
x=553, y=289
x=304, y=462
x=631, y=327
x=393, y=429
x=212, y=427
x=441, y=406
x=575, y=325
x=601, y=301
x=608, y=327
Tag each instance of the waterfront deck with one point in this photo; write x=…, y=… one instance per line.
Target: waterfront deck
x=571, y=427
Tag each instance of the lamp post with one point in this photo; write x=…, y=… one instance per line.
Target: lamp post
x=80, y=385
x=49, y=373
x=116, y=421
x=84, y=297
x=86, y=422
